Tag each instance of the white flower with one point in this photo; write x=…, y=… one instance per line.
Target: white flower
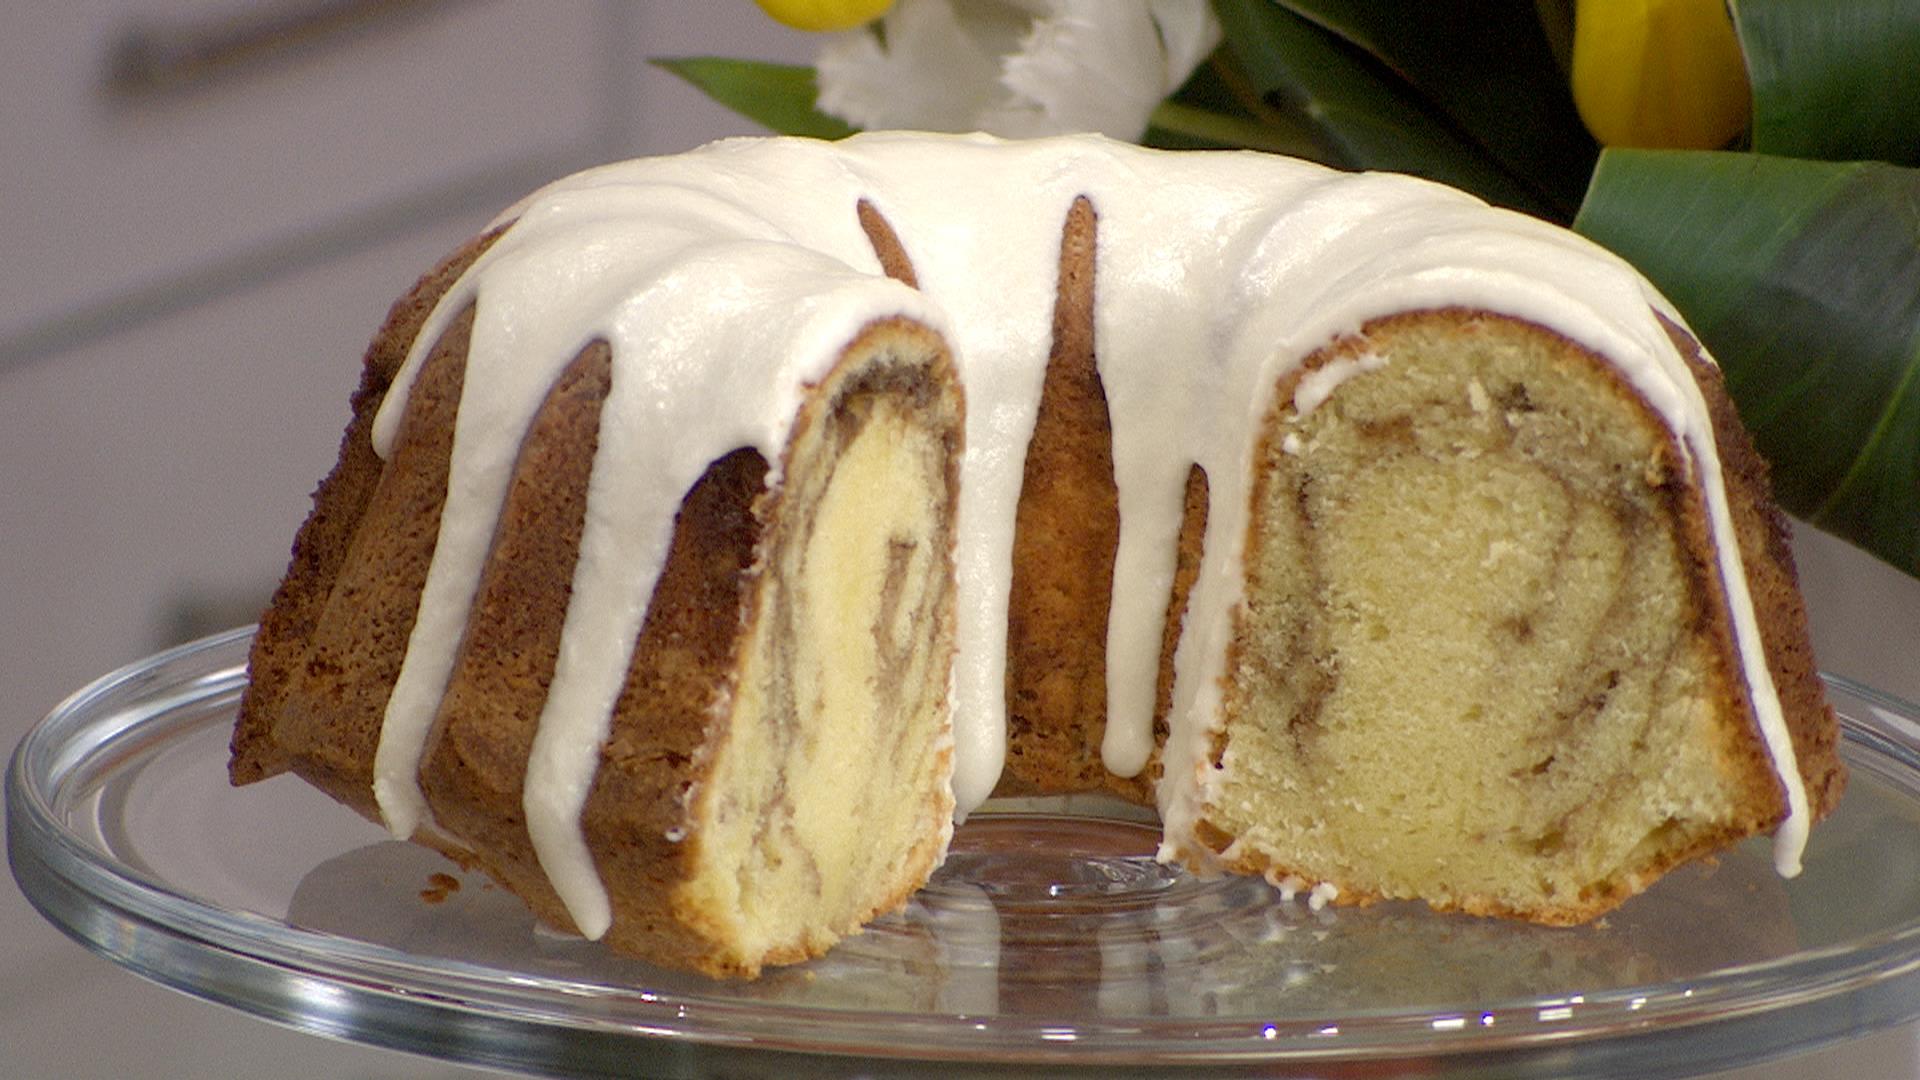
x=1016, y=67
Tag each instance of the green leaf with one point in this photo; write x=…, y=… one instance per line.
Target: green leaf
x=1368, y=116
x=1832, y=80
x=1213, y=111
x=1803, y=280
x=777, y=96
x=1489, y=68
x=1178, y=126
x=1556, y=22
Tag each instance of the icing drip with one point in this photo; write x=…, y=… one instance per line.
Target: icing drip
x=650, y=255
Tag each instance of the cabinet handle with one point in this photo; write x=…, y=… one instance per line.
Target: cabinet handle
x=153, y=57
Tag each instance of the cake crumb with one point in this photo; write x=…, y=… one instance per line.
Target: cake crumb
x=439, y=887
x=1289, y=885
x=1477, y=397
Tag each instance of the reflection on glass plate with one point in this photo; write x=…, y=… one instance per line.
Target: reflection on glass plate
x=1051, y=937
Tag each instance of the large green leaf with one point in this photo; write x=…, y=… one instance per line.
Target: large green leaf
x=1556, y=25
x=1833, y=80
x=1488, y=66
x=1176, y=125
x=1803, y=280
x=777, y=96
x=1371, y=118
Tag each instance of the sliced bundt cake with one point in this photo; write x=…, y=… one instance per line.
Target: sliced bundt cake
x=716, y=528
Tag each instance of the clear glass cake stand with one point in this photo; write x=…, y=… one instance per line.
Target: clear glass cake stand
x=1051, y=942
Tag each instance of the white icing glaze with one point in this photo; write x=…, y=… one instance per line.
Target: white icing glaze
x=1316, y=386
x=1215, y=273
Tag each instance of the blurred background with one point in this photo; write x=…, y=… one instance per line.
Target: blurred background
x=210, y=204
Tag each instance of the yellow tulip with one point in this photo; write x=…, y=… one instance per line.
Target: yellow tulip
x=1659, y=73
x=825, y=14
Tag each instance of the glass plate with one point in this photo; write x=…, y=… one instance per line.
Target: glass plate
x=1050, y=939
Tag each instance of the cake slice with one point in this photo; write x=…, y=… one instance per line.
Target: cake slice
x=775, y=769
x=1487, y=656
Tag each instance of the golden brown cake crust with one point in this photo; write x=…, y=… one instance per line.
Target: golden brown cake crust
x=1190, y=546
x=1066, y=530
x=473, y=765
x=280, y=645
x=1774, y=584
x=886, y=244
x=654, y=753
x=475, y=769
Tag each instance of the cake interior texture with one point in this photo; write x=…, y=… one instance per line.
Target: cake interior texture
x=1471, y=669
x=695, y=601
x=828, y=802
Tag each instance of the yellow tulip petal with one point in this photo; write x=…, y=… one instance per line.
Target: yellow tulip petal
x=824, y=15
x=1659, y=73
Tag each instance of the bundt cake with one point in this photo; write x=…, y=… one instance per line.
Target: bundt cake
x=715, y=529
